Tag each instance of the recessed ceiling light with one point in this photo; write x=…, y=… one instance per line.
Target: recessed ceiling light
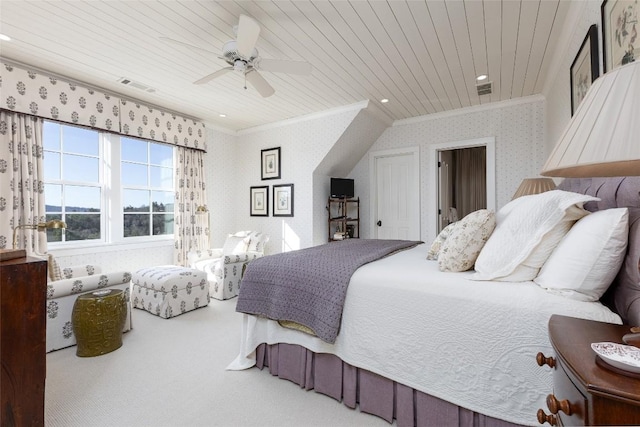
x=384, y=100
x=222, y=115
x=481, y=77
x=5, y=38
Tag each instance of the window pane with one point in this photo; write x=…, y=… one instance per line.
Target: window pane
x=79, y=168
x=80, y=141
x=54, y=234
x=163, y=201
x=162, y=224
x=53, y=198
x=51, y=165
x=136, y=201
x=161, y=177
x=133, y=174
x=162, y=155
x=51, y=136
x=136, y=225
x=134, y=150
x=81, y=199
x=82, y=226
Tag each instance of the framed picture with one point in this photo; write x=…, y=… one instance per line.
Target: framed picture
x=259, y=204
x=620, y=41
x=585, y=68
x=283, y=200
x=270, y=163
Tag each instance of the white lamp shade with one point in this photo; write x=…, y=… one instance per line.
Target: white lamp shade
x=603, y=137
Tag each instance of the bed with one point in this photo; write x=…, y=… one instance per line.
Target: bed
x=427, y=347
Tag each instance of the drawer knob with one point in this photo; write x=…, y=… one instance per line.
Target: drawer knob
x=543, y=360
x=544, y=418
x=556, y=405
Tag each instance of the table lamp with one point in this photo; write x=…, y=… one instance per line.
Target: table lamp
x=41, y=226
x=530, y=186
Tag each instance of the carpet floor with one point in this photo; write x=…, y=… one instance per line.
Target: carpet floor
x=171, y=372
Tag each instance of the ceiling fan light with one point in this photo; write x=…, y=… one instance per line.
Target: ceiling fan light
x=240, y=65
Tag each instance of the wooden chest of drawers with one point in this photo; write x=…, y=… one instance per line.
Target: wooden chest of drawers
x=583, y=392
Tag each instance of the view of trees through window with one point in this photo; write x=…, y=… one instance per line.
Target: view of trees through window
x=147, y=188
x=139, y=187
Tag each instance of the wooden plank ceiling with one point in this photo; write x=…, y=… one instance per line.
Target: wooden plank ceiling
x=423, y=56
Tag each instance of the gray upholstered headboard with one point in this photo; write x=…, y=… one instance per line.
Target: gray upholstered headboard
x=624, y=294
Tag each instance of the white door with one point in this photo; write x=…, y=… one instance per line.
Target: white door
x=397, y=207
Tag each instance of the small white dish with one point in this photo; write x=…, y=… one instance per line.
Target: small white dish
x=625, y=357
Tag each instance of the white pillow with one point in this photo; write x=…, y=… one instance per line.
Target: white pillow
x=587, y=259
x=460, y=250
x=434, y=250
x=235, y=245
x=527, y=230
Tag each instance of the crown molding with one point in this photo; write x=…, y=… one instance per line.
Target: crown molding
x=472, y=109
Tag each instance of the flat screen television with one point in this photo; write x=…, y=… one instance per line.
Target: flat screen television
x=342, y=187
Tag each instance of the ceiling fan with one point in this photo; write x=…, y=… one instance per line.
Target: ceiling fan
x=243, y=57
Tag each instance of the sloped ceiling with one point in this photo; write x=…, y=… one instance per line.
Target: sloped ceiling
x=423, y=56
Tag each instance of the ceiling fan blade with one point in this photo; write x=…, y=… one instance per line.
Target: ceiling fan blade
x=212, y=76
x=178, y=42
x=283, y=66
x=248, y=32
x=262, y=86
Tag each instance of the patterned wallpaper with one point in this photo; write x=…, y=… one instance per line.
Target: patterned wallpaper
x=518, y=129
x=223, y=190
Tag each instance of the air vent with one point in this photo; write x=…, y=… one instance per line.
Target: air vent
x=484, y=88
x=136, y=85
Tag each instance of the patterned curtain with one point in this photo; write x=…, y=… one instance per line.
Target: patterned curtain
x=21, y=181
x=190, y=193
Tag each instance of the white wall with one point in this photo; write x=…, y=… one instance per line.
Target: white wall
x=112, y=258
x=303, y=143
x=518, y=128
x=557, y=88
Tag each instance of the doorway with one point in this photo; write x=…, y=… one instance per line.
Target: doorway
x=462, y=183
x=395, y=194
x=462, y=180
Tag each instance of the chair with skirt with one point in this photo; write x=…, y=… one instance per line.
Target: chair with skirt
x=225, y=266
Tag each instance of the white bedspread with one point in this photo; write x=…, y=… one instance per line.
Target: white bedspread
x=468, y=342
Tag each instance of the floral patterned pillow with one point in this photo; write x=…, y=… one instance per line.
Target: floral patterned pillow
x=437, y=243
x=460, y=250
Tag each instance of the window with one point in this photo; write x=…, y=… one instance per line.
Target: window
x=106, y=187
x=147, y=188
x=73, y=188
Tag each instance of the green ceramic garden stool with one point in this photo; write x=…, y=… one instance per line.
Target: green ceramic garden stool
x=98, y=318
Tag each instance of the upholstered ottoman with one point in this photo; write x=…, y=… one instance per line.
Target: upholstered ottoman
x=168, y=290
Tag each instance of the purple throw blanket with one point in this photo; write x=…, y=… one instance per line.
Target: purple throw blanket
x=309, y=286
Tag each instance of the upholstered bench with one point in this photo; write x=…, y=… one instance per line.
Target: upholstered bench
x=168, y=290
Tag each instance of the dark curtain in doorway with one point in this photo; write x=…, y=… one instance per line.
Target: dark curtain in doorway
x=470, y=165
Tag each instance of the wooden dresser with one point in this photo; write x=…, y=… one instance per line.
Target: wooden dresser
x=23, y=291
x=583, y=392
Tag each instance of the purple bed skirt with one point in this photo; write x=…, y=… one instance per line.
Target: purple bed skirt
x=328, y=374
